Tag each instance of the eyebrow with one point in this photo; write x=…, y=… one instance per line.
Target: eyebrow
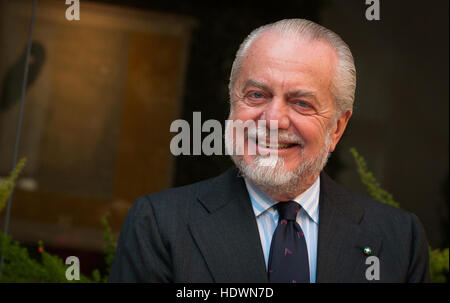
x=300, y=93
x=292, y=94
x=251, y=82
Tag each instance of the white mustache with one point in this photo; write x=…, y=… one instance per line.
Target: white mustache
x=284, y=136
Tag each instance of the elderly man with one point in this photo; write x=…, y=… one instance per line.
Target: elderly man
x=285, y=222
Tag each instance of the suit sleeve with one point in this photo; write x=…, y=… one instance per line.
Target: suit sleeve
x=419, y=265
x=141, y=255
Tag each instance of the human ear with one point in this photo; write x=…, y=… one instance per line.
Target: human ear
x=339, y=128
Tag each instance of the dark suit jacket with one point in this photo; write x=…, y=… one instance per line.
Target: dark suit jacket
x=207, y=232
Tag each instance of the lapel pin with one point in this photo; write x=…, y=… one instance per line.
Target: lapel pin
x=367, y=251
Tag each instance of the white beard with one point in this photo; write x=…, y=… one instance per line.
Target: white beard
x=269, y=175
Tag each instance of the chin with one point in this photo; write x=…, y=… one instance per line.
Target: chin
x=272, y=179
x=276, y=179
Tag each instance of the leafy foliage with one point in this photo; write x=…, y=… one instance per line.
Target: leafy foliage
x=439, y=259
x=7, y=185
x=439, y=265
x=19, y=266
x=110, y=244
x=373, y=187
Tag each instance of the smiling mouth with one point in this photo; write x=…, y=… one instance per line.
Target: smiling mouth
x=275, y=145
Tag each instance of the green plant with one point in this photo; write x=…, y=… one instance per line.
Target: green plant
x=7, y=185
x=439, y=259
x=19, y=266
x=110, y=244
x=373, y=187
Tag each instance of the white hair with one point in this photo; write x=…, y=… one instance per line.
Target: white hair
x=344, y=80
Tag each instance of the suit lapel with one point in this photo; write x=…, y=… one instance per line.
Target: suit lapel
x=227, y=233
x=225, y=230
x=341, y=241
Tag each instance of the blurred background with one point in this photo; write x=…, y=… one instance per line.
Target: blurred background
x=103, y=91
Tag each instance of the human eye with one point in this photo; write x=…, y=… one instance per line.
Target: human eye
x=304, y=107
x=303, y=104
x=256, y=95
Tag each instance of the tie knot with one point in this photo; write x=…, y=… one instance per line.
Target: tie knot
x=288, y=210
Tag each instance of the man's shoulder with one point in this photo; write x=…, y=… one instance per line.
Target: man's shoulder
x=375, y=213
x=399, y=232
x=192, y=190
x=380, y=210
x=179, y=198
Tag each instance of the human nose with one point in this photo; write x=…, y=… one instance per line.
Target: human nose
x=277, y=110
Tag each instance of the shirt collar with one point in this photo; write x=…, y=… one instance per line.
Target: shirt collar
x=309, y=200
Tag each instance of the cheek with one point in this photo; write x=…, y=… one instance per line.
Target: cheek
x=311, y=131
x=244, y=113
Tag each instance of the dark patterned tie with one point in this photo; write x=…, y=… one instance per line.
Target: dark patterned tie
x=288, y=258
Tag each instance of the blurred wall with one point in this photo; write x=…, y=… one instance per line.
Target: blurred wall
x=100, y=91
